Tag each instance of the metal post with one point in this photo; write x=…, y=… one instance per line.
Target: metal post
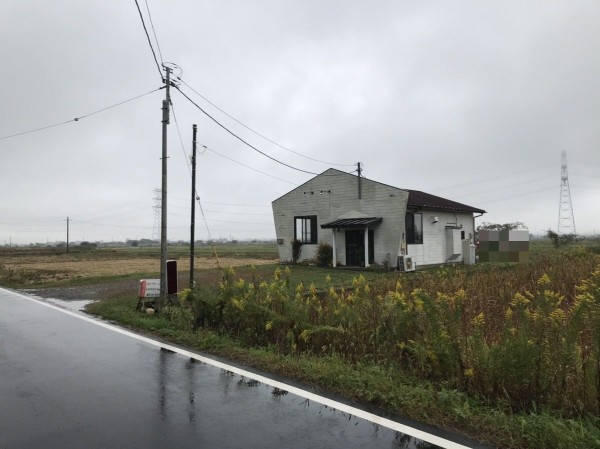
x=163, y=222
x=359, y=186
x=193, y=224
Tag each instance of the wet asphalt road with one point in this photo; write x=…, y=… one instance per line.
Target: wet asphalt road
x=67, y=383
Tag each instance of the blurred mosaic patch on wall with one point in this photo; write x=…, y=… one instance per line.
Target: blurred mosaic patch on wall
x=504, y=246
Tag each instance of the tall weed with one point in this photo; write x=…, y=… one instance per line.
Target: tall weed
x=525, y=337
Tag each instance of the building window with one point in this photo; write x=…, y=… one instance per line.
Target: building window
x=305, y=229
x=414, y=228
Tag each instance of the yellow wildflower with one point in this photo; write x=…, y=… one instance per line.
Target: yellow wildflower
x=479, y=320
x=544, y=281
x=519, y=300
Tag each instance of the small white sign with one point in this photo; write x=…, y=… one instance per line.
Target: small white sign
x=149, y=288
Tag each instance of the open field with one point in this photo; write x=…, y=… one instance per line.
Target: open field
x=30, y=266
x=48, y=269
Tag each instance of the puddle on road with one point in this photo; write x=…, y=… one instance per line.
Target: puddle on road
x=75, y=305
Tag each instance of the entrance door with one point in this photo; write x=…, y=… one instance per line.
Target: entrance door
x=355, y=248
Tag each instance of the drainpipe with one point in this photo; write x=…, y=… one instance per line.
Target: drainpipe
x=334, y=249
x=474, y=217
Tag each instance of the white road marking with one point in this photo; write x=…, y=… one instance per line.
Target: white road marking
x=420, y=434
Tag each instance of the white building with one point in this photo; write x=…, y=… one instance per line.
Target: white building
x=369, y=222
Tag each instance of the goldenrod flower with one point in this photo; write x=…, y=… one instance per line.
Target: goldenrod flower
x=544, y=281
x=479, y=320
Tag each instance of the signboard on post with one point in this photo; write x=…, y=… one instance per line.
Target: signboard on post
x=149, y=288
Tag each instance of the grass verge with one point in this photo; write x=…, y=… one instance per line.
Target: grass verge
x=380, y=385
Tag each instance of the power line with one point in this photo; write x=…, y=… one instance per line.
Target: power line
x=216, y=152
x=479, y=192
x=259, y=134
x=521, y=194
x=247, y=166
x=238, y=137
x=180, y=138
x=38, y=129
x=154, y=32
x=149, y=41
x=76, y=119
x=112, y=224
x=224, y=204
x=225, y=212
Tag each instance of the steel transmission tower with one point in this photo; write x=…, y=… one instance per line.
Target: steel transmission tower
x=566, y=219
x=157, y=214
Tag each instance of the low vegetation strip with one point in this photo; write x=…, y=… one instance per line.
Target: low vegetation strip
x=509, y=355
x=46, y=269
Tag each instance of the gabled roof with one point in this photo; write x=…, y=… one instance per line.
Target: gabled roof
x=418, y=199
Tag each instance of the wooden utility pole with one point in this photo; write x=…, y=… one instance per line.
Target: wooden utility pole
x=193, y=224
x=166, y=104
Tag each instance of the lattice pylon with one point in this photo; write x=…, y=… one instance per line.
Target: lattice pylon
x=566, y=219
x=157, y=214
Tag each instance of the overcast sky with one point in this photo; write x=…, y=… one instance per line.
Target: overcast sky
x=473, y=101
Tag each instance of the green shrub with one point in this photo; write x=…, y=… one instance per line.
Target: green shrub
x=325, y=255
x=296, y=247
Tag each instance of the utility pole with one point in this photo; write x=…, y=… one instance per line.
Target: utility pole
x=166, y=104
x=193, y=224
x=156, y=207
x=67, y=235
x=359, y=181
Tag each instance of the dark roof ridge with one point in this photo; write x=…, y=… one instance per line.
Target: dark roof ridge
x=418, y=198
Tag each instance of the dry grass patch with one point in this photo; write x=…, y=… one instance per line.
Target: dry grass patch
x=55, y=268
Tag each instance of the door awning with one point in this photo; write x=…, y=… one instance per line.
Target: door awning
x=353, y=222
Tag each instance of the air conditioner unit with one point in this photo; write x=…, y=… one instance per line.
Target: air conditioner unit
x=405, y=263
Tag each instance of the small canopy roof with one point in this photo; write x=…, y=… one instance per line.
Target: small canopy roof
x=352, y=222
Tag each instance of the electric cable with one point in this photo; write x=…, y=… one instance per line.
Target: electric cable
x=531, y=192
x=223, y=204
x=154, y=31
x=238, y=137
x=247, y=166
x=238, y=205
x=149, y=41
x=257, y=133
x=76, y=119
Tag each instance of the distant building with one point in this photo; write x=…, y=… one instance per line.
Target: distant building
x=369, y=222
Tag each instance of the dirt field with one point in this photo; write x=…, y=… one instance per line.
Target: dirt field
x=49, y=269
